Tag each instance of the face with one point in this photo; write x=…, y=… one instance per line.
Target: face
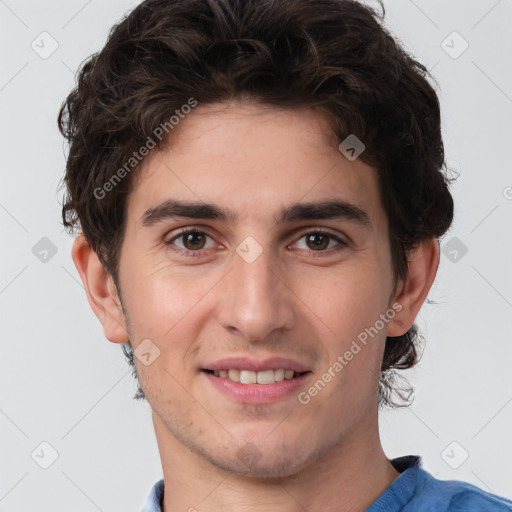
x=257, y=285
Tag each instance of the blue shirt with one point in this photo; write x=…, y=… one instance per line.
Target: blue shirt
x=415, y=490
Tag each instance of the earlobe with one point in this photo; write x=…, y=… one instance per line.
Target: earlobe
x=422, y=262
x=100, y=289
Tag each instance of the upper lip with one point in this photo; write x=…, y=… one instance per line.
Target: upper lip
x=247, y=363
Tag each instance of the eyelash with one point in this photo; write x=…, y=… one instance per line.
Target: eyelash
x=193, y=254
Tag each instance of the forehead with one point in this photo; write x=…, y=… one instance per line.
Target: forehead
x=255, y=160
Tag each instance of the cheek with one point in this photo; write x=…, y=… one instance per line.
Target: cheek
x=350, y=303
x=351, y=298
x=162, y=297
x=167, y=307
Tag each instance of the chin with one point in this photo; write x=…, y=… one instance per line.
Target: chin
x=264, y=467
x=263, y=459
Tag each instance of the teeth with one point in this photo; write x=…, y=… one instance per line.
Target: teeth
x=250, y=377
x=279, y=375
x=234, y=375
x=266, y=377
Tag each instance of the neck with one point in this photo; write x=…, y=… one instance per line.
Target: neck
x=350, y=477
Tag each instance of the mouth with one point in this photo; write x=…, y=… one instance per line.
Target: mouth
x=266, y=386
x=245, y=379
x=264, y=377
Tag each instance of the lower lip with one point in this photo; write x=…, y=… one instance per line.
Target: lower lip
x=257, y=393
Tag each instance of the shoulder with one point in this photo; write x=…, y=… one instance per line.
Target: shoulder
x=458, y=496
x=416, y=490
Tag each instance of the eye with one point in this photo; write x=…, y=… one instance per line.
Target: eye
x=194, y=240
x=320, y=241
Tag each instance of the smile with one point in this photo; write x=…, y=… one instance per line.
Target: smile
x=252, y=377
x=262, y=387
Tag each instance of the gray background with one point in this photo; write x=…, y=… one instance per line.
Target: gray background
x=63, y=383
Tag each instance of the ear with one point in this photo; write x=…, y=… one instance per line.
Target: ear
x=422, y=262
x=101, y=290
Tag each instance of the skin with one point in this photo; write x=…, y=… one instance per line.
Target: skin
x=293, y=301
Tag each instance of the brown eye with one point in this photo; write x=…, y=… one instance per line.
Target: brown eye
x=189, y=240
x=193, y=240
x=317, y=241
x=321, y=242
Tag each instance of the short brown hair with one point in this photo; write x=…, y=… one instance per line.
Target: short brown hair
x=332, y=55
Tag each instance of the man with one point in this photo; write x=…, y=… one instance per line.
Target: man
x=260, y=192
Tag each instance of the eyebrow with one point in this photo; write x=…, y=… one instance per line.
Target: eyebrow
x=318, y=210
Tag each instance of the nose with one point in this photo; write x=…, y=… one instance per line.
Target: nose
x=256, y=300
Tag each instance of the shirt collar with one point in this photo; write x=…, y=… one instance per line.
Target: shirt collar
x=154, y=501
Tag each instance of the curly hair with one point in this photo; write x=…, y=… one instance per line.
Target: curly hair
x=335, y=56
